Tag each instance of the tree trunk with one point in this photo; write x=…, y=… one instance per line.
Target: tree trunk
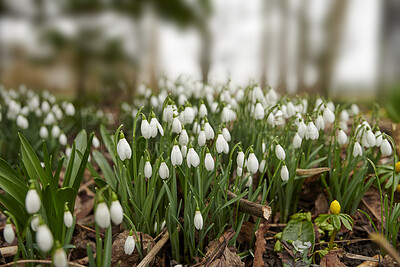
x=205, y=55
x=302, y=55
x=283, y=46
x=265, y=34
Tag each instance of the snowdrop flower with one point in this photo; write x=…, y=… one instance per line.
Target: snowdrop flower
x=284, y=173
x=342, y=138
x=329, y=116
x=102, y=214
x=280, y=152
x=176, y=125
x=262, y=165
x=225, y=115
x=192, y=158
x=312, y=131
x=35, y=222
x=320, y=123
x=188, y=115
x=271, y=119
x=226, y=134
x=8, y=232
x=22, y=122
x=44, y=238
x=145, y=128
x=386, y=148
x=344, y=116
x=43, y=132
x=183, y=138
x=239, y=95
x=290, y=109
x=168, y=114
x=297, y=141
x=45, y=107
x=239, y=171
x=32, y=200
x=201, y=139
x=357, y=150
x=153, y=125
x=62, y=139
x=184, y=151
x=95, y=142
x=68, y=219
x=60, y=257
x=69, y=109
x=302, y=129
x=203, y=110
x=354, y=109
x=343, y=125
x=209, y=161
x=220, y=144
x=176, y=155
x=208, y=130
x=198, y=220
x=117, y=214
x=147, y=169
x=163, y=171
x=49, y=119
x=123, y=148
x=252, y=162
x=249, y=181
x=378, y=136
x=370, y=138
x=129, y=246
x=68, y=151
x=259, y=111
x=279, y=118
x=55, y=131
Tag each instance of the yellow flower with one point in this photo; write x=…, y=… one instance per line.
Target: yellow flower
x=398, y=188
x=335, y=207
x=397, y=167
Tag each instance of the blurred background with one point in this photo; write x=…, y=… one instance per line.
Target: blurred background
x=103, y=49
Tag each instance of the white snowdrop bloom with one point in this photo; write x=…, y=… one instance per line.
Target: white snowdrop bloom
x=329, y=116
x=25, y=111
x=240, y=159
x=272, y=97
x=176, y=155
x=342, y=138
x=318, y=104
x=320, y=123
x=45, y=107
x=38, y=113
x=35, y=222
x=354, y=109
x=284, y=111
x=163, y=171
x=22, y=122
x=58, y=113
x=214, y=106
x=271, y=119
x=290, y=109
x=357, y=150
x=196, y=127
x=43, y=132
x=153, y=101
x=302, y=129
x=312, y=131
x=55, y=131
x=49, y=119
x=95, y=142
x=201, y=139
x=226, y=147
x=183, y=138
x=68, y=151
x=344, y=116
x=220, y=143
x=249, y=180
x=184, y=151
x=209, y=162
x=239, y=95
x=239, y=171
x=297, y=141
x=129, y=246
x=262, y=165
x=32, y=201
x=378, y=136
x=279, y=118
x=176, y=125
x=182, y=99
x=370, y=138
x=148, y=169
x=198, y=220
x=226, y=115
x=124, y=149
x=145, y=128
x=102, y=215
x=280, y=152
x=68, y=219
x=331, y=106
x=259, y=112
x=153, y=127
x=226, y=134
x=263, y=147
x=117, y=213
x=252, y=163
x=60, y=258
x=192, y=158
x=62, y=139
x=386, y=148
x=284, y=173
x=70, y=109
x=8, y=232
x=168, y=114
x=188, y=115
x=209, y=131
x=44, y=238
x=203, y=110
x=343, y=125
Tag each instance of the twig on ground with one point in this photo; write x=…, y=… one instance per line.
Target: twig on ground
x=154, y=251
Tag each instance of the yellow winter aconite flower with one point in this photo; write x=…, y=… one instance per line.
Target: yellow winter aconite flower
x=335, y=207
x=397, y=167
x=398, y=188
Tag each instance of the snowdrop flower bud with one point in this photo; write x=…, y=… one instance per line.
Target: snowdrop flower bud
x=284, y=173
x=386, y=148
x=320, y=123
x=226, y=134
x=62, y=139
x=176, y=155
x=220, y=143
x=129, y=244
x=354, y=109
x=249, y=181
x=239, y=171
x=329, y=116
x=44, y=238
x=370, y=137
x=168, y=114
x=259, y=112
x=183, y=138
x=297, y=141
x=209, y=161
x=302, y=129
x=280, y=152
x=198, y=220
x=45, y=107
x=193, y=158
x=208, y=130
x=95, y=142
x=22, y=122
x=252, y=162
x=240, y=158
x=35, y=222
x=44, y=133
x=147, y=169
x=68, y=219
x=378, y=136
x=176, y=125
x=188, y=115
x=8, y=232
x=60, y=257
x=69, y=109
x=32, y=200
x=312, y=131
x=262, y=165
x=163, y=171
x=202, y=110
x=357, y=150
x=344, y=116
x=342, y=138
x=201, y=139
x=184, y=151
x=145, y=128
x=102, y=214
x=123, y=148
x=68, y=151
x=271, y=119
x=55, y=131
x=117, y=214
x=153, y=125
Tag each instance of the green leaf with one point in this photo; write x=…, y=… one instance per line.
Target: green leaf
x=12, y=183
x=299, y=230
x=336, y=222
x=346, y=223
x=105, y=169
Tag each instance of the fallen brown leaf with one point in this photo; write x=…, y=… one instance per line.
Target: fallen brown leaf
x=321, y=204
x=260, y=246
x=332, y=260
x=84, y=203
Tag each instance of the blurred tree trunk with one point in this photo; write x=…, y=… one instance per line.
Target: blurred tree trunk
x=265, y=34
x=302, y=54
x=205, y=56
x=334, y=29
x=283, y=5
x=153, y=67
